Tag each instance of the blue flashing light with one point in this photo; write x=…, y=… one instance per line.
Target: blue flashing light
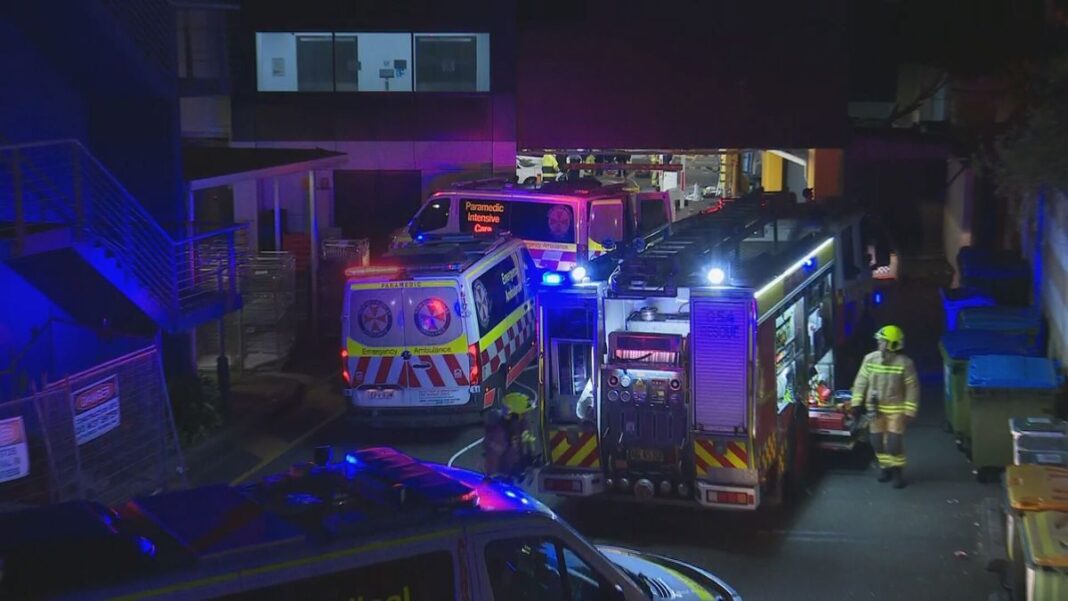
x=877, y=298
x=510, y=494
x=351, y=459
x=420, y=237
x=578, y=274
x=552, y=278
x=146, y=547
x=810, y=263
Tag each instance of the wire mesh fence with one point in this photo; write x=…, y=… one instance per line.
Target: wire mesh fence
x=267, y=322
x=105, y=434
x=336, y=255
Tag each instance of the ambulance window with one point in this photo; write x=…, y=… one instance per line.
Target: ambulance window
x=653, y=216
x=434, y=315
x=434, y=216
x=375, y=317
x=426, y=576
x=497, y=293
x=606, y=222
x=543, y=221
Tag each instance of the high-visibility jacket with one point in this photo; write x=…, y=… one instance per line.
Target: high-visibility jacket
x=549, y=164
x=889, y=386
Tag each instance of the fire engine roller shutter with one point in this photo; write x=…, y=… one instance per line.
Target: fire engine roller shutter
x=720, y=350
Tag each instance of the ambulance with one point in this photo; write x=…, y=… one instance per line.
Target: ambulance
x=682, y=372
x=437, y=332
x=563, y=223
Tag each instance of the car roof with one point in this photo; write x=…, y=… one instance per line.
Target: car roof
x=373, y=494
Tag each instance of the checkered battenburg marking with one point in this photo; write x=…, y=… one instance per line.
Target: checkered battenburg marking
x=514, y=338
x=557, y=260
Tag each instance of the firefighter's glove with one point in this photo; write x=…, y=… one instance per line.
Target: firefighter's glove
x=858, y=412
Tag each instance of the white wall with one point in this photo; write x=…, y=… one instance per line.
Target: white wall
x=957, y=218
x=378, y=51
x=269, y=48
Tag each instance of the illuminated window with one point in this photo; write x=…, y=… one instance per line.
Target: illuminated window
x=452, y=62
x=371, y=62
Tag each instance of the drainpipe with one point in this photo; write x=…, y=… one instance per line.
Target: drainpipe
x=313, y=236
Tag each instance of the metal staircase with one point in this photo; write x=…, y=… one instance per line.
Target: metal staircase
x=57, y=195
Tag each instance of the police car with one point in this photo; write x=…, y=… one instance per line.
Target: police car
x=377, y=525
x=438, y=333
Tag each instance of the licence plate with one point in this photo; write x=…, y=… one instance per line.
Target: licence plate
x=381, y=395
x=645, y=455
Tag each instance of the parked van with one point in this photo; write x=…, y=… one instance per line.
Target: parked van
x=437, y=333
x=378, y=525
x=563, y=223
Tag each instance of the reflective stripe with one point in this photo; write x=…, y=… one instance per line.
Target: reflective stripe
x=233, y=576
x=885, y=369
x=891, y=410
x=888, y=460
x=506, y=323
x=403, y=284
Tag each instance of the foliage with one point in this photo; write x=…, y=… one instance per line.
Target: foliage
x=196, y=407
x=1034, y=153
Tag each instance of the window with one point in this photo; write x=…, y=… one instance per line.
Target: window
x=371, y=62
x=541, y=569
x=497, y=293
x=653, y=216
x=606, y=222
x=452, y=62
x=542, y=221
x=434, y=216
x=427, y=576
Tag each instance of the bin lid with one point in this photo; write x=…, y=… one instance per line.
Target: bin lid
x=1046, y=533
x=1038, y=426
x=1037, y=487
x=968, y=294
x=1011, y=371
x=962, y=344
x=1022, y=315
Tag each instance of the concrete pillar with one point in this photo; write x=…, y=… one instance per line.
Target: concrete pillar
x=825, y=172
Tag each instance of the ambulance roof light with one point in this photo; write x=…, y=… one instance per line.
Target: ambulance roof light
x=578, y=274
x=716, y=276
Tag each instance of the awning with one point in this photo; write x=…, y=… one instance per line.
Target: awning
x=211, y=166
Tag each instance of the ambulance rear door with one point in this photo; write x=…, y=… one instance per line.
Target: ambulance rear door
x=407, y=344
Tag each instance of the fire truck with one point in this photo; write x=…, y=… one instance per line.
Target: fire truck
x=684, y=371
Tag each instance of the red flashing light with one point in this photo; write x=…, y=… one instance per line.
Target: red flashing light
x=344, y=353
x=474, y=372
x=345, y=374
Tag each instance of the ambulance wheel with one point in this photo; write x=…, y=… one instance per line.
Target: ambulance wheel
x=530, y=181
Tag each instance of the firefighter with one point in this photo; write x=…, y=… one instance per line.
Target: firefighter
x=886, y=387
x=508, y=444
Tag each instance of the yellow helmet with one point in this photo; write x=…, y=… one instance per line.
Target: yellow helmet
x=517, y=402
x=893, y=336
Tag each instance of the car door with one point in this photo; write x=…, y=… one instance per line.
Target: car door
x=538, y=560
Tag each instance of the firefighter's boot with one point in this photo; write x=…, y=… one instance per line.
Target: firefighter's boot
x=899, y=478
x=885, y=474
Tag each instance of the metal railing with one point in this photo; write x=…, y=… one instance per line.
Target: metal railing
x=61, y=183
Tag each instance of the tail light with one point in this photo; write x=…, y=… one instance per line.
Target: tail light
x=474, y=372
x=345, y=367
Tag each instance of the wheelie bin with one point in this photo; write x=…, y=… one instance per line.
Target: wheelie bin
x=959, y=346
x=1029, y=489
x=1046, y=548
x=1026, y=321
x=1039, y=440
x=1003, y=275
x=1001, y=387
x=956, y=299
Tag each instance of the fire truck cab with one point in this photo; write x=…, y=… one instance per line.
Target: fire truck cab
x=681, y=372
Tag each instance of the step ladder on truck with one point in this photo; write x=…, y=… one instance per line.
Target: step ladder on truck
x=683, y=372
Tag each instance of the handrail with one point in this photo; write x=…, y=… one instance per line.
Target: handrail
x=176, y=273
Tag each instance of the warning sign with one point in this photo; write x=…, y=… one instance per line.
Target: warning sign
x=14, y=454
x=96, y=410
